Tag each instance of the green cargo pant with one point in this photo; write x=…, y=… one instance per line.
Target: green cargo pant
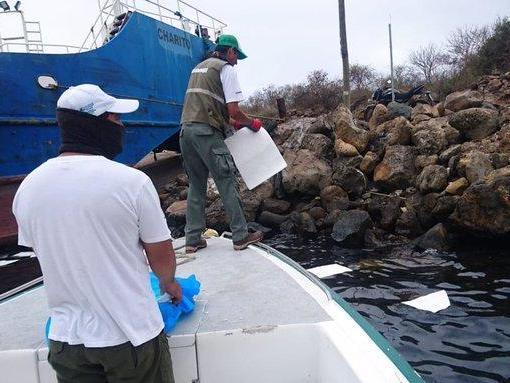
x=149, y=362
x=204, y=152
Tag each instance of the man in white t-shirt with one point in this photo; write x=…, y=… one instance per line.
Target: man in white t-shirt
x=212, y=104
x=89, y=220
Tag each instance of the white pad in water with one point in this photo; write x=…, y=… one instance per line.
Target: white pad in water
x=256, y=156
x=431, y=302
x=328, y=270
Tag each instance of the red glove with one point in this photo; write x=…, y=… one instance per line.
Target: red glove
x=256, y=124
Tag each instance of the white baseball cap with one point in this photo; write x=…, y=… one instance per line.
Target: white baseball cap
x=91, y=99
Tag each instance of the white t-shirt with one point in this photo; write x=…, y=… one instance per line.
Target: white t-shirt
x=85, y=216
x=230, y=83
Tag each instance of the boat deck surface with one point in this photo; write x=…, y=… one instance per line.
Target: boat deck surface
x=240, y=290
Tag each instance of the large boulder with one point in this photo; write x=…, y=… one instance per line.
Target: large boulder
x=350, y=179
x=317, y=143
x=484, y=207
x=463, y=100
x=177, y=211
x=433, y=178
x=290, y=134
x=346, y=129
x=277, y=206
x=351, y=226
x=305, y=173
x=395, y=132
x=475, y=123
x=270, y=219
x=396, y=171
x=334, y=197
x=408, y=223
x=423, y=160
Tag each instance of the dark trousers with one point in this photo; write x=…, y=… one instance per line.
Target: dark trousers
x=149, y=362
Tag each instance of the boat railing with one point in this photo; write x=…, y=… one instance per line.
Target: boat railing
x=113, y=14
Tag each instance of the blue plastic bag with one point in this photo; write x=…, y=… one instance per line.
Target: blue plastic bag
x=170, y=312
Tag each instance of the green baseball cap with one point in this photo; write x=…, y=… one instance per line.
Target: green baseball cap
x=231, y=41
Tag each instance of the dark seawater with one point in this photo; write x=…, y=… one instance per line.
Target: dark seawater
x=467, y=342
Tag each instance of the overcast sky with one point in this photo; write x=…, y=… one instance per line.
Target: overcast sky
x=286, y=39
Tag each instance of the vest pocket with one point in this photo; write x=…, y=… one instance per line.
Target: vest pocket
x=223, y=161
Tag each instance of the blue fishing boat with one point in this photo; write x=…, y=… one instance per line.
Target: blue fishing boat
x=142, y=50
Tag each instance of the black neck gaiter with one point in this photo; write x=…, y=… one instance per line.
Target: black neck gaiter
x=84, y=133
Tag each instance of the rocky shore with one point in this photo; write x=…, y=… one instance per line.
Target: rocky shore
x=427, y=174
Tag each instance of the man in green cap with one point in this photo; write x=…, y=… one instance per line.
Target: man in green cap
x=212, y=103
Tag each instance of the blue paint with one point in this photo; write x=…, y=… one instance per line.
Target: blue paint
x=147, y=60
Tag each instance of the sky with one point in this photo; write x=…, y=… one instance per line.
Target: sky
x=287, y=39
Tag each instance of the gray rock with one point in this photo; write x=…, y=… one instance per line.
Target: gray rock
x=351, y=226
x=430, y=141
x=433, y=178
x=321, y=145
x=474, y=165
x=369, y=162
x=424, y=160
x=254, y=226
x=270, y=219
x=395, y=132
x=445, y=156
x=408, y=224
x=396, y=109
x=475, y=123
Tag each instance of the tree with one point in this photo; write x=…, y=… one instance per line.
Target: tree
x=464, y=43
x=495, y=53
x=428, y=60
x=362, y=76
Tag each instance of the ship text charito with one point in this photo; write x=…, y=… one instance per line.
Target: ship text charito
x=172, y=38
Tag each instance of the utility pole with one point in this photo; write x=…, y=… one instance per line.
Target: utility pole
x=345, y=55
x=391, y=64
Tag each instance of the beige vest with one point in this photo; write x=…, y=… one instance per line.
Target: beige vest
x=205, y=100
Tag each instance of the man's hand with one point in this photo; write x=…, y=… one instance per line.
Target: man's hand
x=173, y=289
x=255, y=125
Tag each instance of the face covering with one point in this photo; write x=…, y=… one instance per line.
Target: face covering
x=84, y=133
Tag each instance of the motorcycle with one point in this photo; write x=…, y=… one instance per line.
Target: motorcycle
x=383, y=95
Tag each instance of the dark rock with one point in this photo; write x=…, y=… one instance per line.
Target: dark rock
x=445, y=206
x=352, y=180
x=384, y=210
x=429, y=141
x=396, y=171
x=499, y=160
x=216, y=218
x=306, y=225
x=408, y=223
x=321, y=145
x=351, y=226
x=474, y=165
x=433, y=178
x=252, y=199
x=434, y=238
x=270, y=219
x=445, y=156
x=177, y=211
x=484, y=208
x=475, y=123
x=334, y=197
x=277, y=206
x=374, y=238
x=396, y=109
x=452, y=135
x=353, y=162
x=332, y=217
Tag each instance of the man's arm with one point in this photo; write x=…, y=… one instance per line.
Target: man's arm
x=241, y=119
x=161, y=257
